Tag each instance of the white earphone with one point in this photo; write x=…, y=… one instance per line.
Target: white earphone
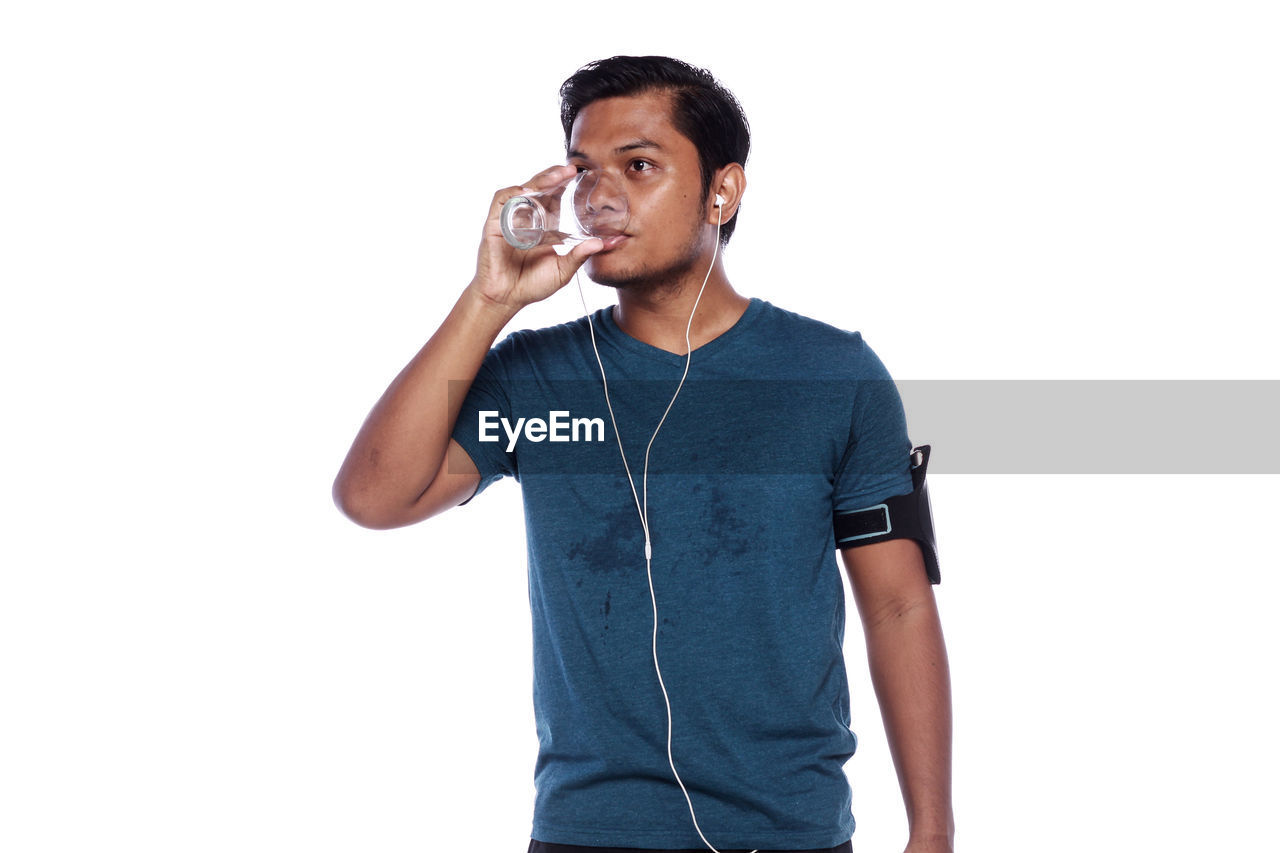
x=719, y=200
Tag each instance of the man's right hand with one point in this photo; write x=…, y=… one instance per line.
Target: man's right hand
x=404, y=465
x=513, y=278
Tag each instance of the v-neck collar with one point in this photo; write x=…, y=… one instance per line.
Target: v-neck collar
x=615, y=333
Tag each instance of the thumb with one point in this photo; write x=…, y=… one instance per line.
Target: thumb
x=578, y=255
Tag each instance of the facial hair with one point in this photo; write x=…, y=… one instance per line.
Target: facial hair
x=669, y=278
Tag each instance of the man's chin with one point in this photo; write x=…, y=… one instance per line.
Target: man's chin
x=611, y=270
x=601, y=271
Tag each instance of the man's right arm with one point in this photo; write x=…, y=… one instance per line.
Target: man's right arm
x=404, y=466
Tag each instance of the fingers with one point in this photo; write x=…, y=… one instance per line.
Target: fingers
x=548, y=178
x=503, y=196
x=544, y=180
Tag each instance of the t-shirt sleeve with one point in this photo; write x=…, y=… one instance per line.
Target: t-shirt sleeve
x=479, y=426
x=877, y=460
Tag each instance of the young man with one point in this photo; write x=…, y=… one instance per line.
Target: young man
x=690, y=688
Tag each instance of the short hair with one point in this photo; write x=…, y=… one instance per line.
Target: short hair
x=704, y=111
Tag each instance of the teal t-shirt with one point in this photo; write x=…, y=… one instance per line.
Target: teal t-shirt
x=781, y=421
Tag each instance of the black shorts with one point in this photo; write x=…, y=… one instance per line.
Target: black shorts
x=540, y=847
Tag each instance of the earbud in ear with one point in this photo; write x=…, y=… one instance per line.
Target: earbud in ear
x=719, y=200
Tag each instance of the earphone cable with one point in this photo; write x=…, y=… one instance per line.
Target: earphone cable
x=644, y=511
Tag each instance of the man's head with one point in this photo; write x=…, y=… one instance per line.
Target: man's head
x=702, y=110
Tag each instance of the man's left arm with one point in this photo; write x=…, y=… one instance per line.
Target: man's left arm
x=909, y=671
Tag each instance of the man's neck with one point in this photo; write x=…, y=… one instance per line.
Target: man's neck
x=659, y=317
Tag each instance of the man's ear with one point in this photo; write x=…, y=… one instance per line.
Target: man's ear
x=729, y=182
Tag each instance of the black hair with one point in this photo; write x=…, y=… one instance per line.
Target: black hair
x=705, y=112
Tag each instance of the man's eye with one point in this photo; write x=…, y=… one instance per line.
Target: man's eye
x=641, y=165
x=581, y=169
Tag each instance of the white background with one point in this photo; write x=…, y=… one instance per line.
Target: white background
x=226, y=226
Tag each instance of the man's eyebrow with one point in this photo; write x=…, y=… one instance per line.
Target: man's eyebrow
x=623, y=149
x=639, y=143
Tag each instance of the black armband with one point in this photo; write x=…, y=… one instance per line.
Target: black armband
x=900, y=517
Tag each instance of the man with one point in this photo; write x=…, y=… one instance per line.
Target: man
x=690, y=688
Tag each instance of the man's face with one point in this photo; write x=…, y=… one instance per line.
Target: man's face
x=640, y=153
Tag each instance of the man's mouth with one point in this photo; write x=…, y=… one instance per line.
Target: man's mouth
x=613, y=240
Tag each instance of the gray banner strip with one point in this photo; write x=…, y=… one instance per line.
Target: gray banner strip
x=1178, y=426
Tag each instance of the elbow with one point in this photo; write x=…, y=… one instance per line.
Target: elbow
x=356, y=506
x=896, y=611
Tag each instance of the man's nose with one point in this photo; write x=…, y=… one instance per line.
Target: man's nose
x=602, y=192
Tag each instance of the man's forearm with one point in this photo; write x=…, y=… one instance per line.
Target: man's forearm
x=403, y=441
x=908, y=662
